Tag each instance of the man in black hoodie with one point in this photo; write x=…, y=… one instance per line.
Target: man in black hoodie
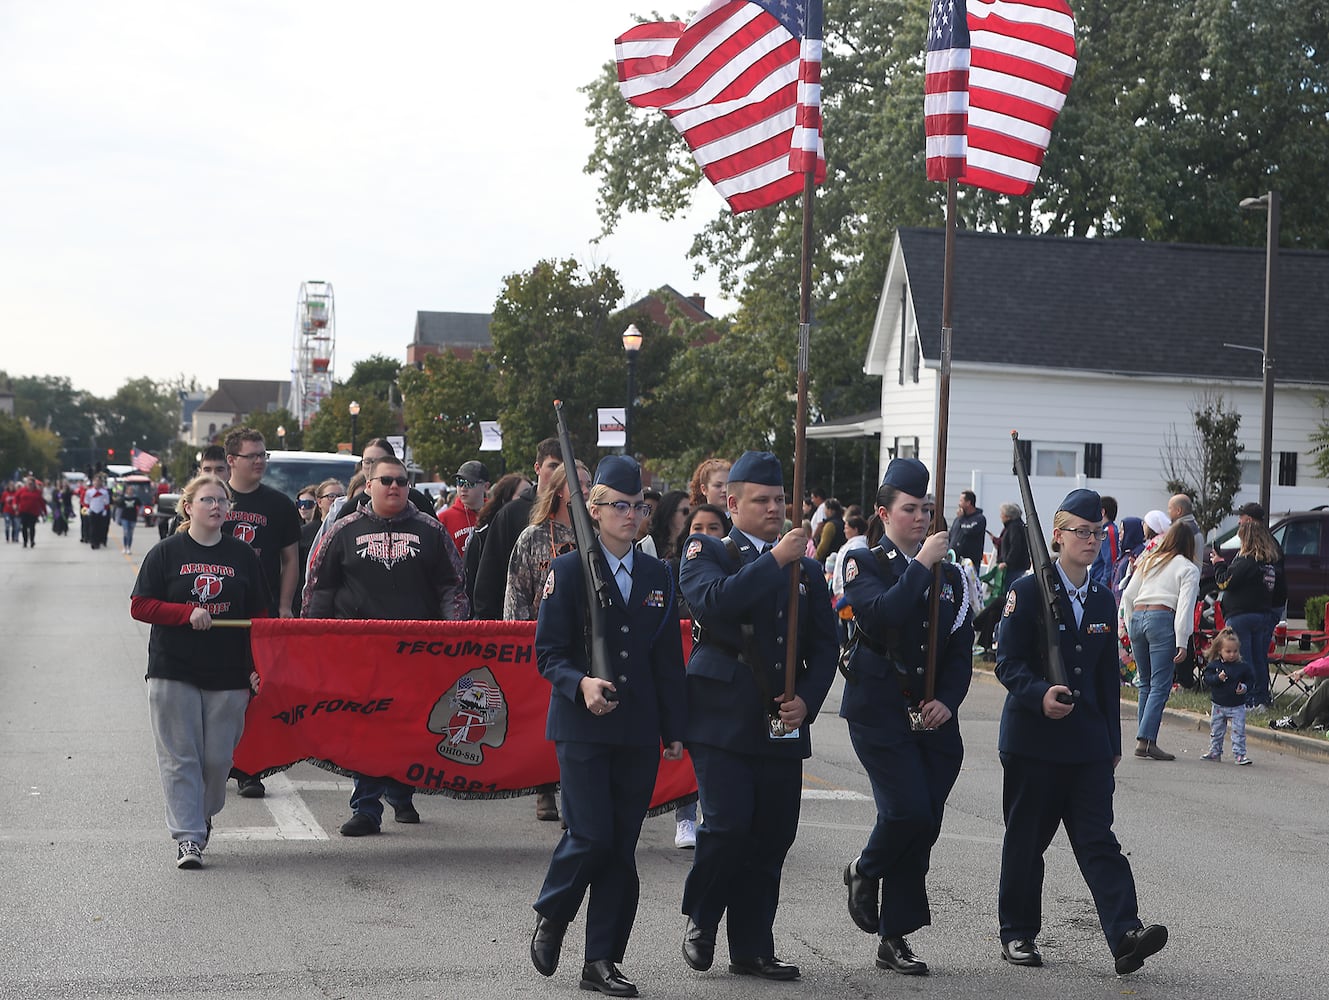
x=968, y=529
x=386, y=561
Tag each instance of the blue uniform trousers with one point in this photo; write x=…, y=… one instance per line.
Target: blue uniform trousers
x=606, y=791
x=1037, y=797
x=749, y=808
x=910, y=782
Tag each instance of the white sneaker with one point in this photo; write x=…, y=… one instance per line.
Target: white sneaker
x=189, y=855
x=685, y=837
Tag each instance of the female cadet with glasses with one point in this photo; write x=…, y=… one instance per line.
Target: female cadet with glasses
x=608, y=751
x=198, y=681
x=909, y=743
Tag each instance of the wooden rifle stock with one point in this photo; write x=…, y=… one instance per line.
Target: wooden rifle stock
x=593, y=573
x=1049, y=582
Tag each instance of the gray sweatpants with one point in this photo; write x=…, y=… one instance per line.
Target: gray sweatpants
x=196, y=732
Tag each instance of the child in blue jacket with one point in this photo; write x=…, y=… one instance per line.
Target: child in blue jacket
x=1229, y=678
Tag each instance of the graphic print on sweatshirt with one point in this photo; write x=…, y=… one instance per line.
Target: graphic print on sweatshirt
x=388, y=547
x=208, y=585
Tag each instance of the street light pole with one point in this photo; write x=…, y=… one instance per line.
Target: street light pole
x=281, y=435
x=631, y=345
x=354, y=411
x=1268, y=203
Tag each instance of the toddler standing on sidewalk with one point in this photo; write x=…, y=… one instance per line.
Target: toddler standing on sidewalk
x=1229, y=678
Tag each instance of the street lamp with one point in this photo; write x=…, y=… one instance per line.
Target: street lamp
x=354, y=411
x=631, y=345
x=281, y=435
x=1267, y=203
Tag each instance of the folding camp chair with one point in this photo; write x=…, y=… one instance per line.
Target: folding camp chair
x=1291, y=654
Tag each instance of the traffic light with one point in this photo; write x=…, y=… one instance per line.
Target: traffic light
x=110, y=453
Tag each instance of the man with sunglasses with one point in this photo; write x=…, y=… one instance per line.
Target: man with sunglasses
x=459, y=519
x=1058, y=756
x=386, y=560
x=267, y=521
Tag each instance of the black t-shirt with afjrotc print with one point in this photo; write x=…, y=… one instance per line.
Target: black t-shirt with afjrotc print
x=265, y=519
x=225, y=580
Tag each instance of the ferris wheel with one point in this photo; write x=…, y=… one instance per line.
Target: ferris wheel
x=312, y=349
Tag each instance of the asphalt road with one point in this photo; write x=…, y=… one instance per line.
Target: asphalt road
x=1232, y=859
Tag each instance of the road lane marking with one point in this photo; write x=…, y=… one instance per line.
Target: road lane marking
x=293, y=819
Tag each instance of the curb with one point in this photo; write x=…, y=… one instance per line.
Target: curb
x=1288, y=742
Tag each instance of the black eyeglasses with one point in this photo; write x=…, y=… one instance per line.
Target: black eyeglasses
x=305, y=504
x=1084, y=534
x=622, y=506
x=330, y=496
x=256, y=456
x=393, y=480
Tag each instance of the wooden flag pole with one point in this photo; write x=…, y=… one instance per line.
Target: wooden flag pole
x=943, y=420
x=800, y=428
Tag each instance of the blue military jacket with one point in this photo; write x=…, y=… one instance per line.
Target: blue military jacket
x=645, y=646
x=891, y=604
x=726, y=700
x=1092, y=731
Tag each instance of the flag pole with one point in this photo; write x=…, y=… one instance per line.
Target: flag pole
x=943, y=420
x=800, y=426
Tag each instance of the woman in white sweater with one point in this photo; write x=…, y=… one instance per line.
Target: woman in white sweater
x=1158, y=607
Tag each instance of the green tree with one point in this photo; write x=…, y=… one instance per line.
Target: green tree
x=376, y=377
x=556, y=337
x=330, y=427
x=141, y=413
x=25, y=448
x=1207, y=468
x=267, y=422
x=443, y=404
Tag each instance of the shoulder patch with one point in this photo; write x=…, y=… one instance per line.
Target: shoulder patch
x=549, y=584
x=1010, y=605
x=851, y=571
x=694, y=549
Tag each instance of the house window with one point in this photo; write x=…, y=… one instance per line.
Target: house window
x=1056, y=459
x=1287, y=468
x=1093, y=461
x=906, y=447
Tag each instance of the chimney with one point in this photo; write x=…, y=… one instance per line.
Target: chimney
x=699, y=301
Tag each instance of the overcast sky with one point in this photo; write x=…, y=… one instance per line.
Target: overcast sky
x=172, y=172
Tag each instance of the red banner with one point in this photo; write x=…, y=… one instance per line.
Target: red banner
x=453, y=708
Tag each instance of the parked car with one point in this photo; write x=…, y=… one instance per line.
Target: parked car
x=1304, y=537
x=165, y=513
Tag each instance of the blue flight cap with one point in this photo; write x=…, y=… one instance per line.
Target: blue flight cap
x=1083, y=503
x=619, y=472
x=760, y=467
x=908, y=475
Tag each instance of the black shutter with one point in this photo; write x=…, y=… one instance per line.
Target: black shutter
x=1093, y=461
x=1287, y=468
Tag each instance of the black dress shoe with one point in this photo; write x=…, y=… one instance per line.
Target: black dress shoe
x=864, y=894
x=1021, y=952
x=698, y=946
x=893, y=953
x=546, y=944
x=406, y=813
x=1139, y=944
x=764, y=968
x=605, y=977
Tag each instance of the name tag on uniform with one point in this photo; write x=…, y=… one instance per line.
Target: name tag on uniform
x=655, y=599
x=1097, y=628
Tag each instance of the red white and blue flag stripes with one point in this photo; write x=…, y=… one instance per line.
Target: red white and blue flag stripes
x=741, y=82
x=998, y=72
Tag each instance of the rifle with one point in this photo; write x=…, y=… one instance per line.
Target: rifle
x=592, y=563
x=1049, y=582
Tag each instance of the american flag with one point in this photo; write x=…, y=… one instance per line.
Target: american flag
x=742, y=82
x=990, y=111
x=142, y=460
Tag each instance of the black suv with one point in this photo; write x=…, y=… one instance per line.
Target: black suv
x=1304, y=537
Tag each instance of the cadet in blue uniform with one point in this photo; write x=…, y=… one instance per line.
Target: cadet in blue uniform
x=750, y=777
x=1058, y=759
x=608, y=751
x=912, y=770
